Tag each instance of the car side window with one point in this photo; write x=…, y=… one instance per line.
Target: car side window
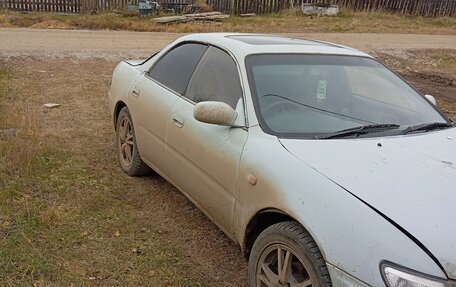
x=216, y=79
x=175, y=69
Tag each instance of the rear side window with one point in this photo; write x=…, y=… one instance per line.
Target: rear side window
x=175, y=69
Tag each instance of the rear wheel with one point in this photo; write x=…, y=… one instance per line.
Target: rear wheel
x=285, y=255
x=128, y=153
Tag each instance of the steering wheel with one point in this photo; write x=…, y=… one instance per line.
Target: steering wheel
x=276, y=107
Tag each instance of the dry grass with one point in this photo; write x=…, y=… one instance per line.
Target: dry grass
x=285, y=22
x=14, y=157
x=68, y=215
x=435, y=61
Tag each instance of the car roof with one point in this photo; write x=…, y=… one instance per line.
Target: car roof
x=243, y=44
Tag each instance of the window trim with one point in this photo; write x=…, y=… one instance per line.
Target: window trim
x=238, y=66
x=143, y=62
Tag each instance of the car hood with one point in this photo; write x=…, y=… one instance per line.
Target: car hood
x=410, y=179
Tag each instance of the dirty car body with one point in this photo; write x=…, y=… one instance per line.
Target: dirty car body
x=321, y=135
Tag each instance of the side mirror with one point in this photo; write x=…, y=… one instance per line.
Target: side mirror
x=431, y=99
x=216, y=113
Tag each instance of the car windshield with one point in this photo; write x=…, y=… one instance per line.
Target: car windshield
x=321, y=96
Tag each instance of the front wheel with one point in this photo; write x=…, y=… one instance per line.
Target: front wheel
x=128, y=153
x=285, y=255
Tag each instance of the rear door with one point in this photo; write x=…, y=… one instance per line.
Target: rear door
x=153, y=97
x=207, y=156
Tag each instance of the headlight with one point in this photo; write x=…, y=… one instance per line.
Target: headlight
x=395, y=276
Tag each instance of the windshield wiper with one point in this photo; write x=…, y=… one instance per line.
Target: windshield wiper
x=427, y=127
x=361, y=130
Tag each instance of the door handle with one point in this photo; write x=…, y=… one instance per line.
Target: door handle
x=178, y=121
x=135, y=92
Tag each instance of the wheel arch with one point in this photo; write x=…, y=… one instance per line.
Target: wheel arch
x=258, y=223
x=119, y=106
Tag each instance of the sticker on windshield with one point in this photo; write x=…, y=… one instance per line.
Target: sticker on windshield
x=321, y=91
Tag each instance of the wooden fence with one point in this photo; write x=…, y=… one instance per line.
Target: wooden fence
x=103, y=5
x=225, y=6
x=109, y=5
x=77, y=6
x=259, y=6
x=427, y=8
x=59, y=6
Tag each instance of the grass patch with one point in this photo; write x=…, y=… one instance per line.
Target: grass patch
x=5, y=74
x=287, y=21
x=64, y=219
x=21, y=175
x=68, y=215
x=431, y=61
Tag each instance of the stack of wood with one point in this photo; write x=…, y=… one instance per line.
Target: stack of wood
x=200, y=17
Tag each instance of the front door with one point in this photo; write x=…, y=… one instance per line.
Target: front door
x=208, y=155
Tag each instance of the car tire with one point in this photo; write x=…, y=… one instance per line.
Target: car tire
x=301, y=260
x=127, y=150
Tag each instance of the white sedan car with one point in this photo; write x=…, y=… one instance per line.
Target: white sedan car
x=321, y=163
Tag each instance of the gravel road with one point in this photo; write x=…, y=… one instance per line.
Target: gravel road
x=121, y=44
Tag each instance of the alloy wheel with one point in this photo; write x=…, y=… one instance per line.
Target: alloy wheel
x=126, y=141
x=279, y=266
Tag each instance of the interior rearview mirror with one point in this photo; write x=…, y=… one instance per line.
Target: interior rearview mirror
x=431, y=99
x=217, y=113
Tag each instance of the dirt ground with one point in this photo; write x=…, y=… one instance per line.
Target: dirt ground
x=121, y=44
x=429, y=71
x=68, y=215
x=89, y=222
